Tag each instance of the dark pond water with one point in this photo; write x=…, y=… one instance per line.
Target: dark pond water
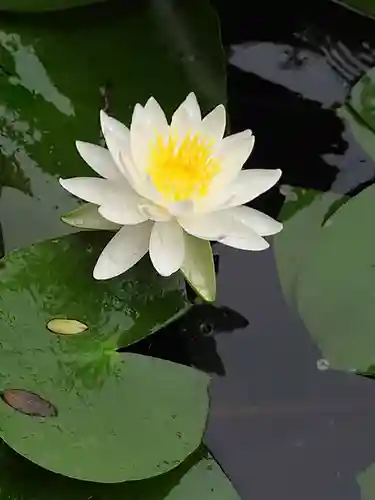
x=280, y=426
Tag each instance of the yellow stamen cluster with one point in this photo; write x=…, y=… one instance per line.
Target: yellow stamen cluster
x=182, y=169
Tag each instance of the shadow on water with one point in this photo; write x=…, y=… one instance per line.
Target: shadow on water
x=280, y=425
x=192, y=339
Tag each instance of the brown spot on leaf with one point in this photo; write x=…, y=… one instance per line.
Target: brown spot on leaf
x=66, y=326
x=28, y=403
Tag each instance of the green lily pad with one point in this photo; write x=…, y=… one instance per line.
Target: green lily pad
x=198, y=478
x=366, y=481
x=58, y=274
x=335, y=289
x=303, y=214
x=42, y=5
x=296, y=198
x=144, y=415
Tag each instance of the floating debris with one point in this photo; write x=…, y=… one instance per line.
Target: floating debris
x=28, y=403
x=66, y=326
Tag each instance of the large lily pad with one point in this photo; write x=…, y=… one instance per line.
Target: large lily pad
x=199, y=477
x=335, y=289
x=53, y=279
x=41, y=5
x=142, y=414
x=303, y=214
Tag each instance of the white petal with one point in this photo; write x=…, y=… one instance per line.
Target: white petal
x=137, y=140
x=136, y=179
x=147, y=123
x=198, y=267
x=258, y=221
x=187, y=116
x=210, y=226
x=213, y=125
x=124, y=250
x=155, y=117
x=137, y=117
x=179, y=208
x=113, y=126
x=89, y=188
x=119, y=203
x=154, y=212
x=167, y=247
x=116, y=135
x=241, y=227
x=99, y=159
x=233, y=151
x=122, y=211
x=87, y=217
x=246, y=239
x=251, y=183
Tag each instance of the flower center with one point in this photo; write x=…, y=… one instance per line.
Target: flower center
x=182, y=170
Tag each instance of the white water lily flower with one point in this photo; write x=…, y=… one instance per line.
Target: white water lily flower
x=169, y=189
